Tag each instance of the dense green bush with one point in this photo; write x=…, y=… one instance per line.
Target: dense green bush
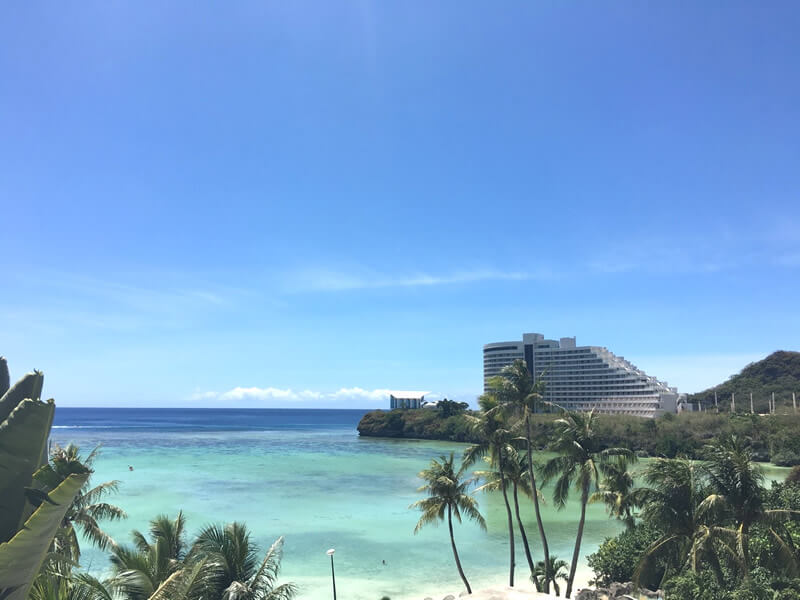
x=693, y=586
x=784, y=448
x=794, y=475
x=615, y=559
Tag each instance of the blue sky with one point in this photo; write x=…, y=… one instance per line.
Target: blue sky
x=306, y=203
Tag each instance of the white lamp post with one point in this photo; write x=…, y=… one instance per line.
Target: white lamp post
x=333, y=575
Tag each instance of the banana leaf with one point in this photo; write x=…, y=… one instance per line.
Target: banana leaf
x=23, y=445
x=22, y=556
x=30, y=386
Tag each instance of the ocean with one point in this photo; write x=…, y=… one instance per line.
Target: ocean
x=308, y=476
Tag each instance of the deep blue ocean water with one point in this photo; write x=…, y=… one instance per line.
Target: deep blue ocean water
x=216, y=419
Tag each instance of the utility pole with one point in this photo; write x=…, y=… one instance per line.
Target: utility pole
x=733, y=403
x=794, y=403
x=715, y=400
x=752, y=412
x=773, y=403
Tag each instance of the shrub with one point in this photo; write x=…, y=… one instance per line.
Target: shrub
x=784, y=448
x=694, y=586
x=615, y=559
x=794, y=475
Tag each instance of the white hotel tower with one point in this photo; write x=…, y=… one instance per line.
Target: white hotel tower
x=583, y=377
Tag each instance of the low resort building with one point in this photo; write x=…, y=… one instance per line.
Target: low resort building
x=406, y=399
x=583, y=377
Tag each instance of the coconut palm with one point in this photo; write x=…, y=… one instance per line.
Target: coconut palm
x=517, y=474
x=495, y=446
x=87, y=509
x=51, y=586
x=737, y=496
x=580, y=461
x=517, y=393
x=558, y=570
x=617, y=491
x=140, y=570
x=672, y=502
x=235, y=571
x=447, y=497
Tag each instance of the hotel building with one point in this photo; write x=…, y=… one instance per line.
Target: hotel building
x=583, y=377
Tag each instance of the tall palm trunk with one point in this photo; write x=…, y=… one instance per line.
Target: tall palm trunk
x=524, y=539
x=455, y=552
x=510, y=523
x=545, y=547
x=744, y=550
x=578, y=537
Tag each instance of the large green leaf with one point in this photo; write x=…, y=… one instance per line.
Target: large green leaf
x=21, y=558
x=23, y=443
x=30, y=386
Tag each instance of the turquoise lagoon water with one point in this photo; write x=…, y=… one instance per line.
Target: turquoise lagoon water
x=307, y=475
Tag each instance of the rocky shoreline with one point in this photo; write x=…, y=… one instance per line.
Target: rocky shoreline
x=624, y=591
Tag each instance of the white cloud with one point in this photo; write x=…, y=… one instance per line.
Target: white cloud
x=333, y=280
x=356, y=397
x=357, y=392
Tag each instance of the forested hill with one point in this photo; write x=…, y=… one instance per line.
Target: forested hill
x=779, y=373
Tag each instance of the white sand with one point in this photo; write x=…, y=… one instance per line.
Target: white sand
x=522, y=590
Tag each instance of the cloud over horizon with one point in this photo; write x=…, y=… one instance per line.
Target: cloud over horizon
x=355, y=397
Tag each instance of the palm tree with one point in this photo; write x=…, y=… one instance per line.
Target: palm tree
x=671, y=502
x=737, y=495
x=494, y=445
x=579, y=461
x=49, y=586
x=558, y=570
x=617, y=492
x=141, y=570
x=447, y=496
x=517, y=474
x=88, y=507
x=518, y=393
x=236, y=573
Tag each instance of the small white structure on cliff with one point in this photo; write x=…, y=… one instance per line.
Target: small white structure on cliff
x=405, y=399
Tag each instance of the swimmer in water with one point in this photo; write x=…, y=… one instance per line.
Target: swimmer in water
x=130, y=467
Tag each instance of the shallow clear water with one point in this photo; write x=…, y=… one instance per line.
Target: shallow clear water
x=307, y=475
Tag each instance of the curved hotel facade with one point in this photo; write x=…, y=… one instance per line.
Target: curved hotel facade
x=583, y=377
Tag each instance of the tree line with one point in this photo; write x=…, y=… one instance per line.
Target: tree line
x=699, y=518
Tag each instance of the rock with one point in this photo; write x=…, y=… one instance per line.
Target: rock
x=586, y=594
x=615, y=590
x=449, y=597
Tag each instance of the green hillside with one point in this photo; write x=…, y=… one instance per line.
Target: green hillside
x=779, y=373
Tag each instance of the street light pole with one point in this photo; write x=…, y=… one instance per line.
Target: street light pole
x=333, y=574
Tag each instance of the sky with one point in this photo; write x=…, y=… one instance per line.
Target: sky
x=304, y=204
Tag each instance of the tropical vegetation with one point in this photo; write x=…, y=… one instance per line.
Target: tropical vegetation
x=700, y=527
x=772, y=437
x=710, y=530
x=47, y=500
